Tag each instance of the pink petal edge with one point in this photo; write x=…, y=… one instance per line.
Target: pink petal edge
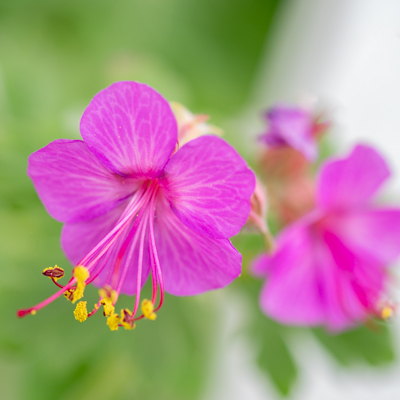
x=131, y=129
x=192, y=263
x=351, y=181
x=209, y=185
x=73, y=184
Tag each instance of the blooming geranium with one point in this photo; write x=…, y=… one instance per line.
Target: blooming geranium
x=133, y=205
x=295, y=127
x=330, y=267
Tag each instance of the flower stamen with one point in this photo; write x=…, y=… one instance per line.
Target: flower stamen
x=53, y=273
x=69, y=294
x=81, y=274
x=127, y=319
x=155, y=260
x=113, y=321
x=148, y=310
x=139, y=270
x=108, y=297
x=44, y=303
x=80, y=312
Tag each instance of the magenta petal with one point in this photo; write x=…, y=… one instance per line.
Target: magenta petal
x=354, y=287
x=73, y=184
x=260, y=266
x=315, y=279
x=129, y=285
x=372, y=232
x=351, y=181
x=291, y=293
x=191, y=263
x=79, y=238
x=131, y=129
x=209, y=185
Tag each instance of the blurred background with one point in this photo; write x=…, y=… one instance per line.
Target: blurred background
x=231, y=60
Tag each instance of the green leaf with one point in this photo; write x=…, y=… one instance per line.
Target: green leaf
x=360, y=345
x=273, y=355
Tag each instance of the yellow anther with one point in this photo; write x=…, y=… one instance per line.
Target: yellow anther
x=113, y=321
x=68, y=295
x=148, y=310
x=128, y=327
x=53, y=273
x=80, y=312
x=33, y=312
x=108, y=297
x=126, y=319
x=108, y=307
x=387, y=312
x=78, y=292
x=108, y=293
x=80, y=274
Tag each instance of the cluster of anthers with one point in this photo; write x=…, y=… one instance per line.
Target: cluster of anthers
x=108, y=298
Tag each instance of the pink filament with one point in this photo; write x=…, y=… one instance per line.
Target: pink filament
x=44, y=303
x=132, y=234
x=156, y=273
x=157, y=261
x=139, y=274
x=141, y=228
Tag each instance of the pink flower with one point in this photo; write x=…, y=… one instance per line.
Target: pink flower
x=131, y=206
x=330, y=267
x=294, y=127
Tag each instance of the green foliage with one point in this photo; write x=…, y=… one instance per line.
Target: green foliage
x=372, y=345
x=273, y=355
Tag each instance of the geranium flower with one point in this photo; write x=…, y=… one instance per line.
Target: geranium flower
x=294, y=127
x=132, y=205
x=330, y=267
